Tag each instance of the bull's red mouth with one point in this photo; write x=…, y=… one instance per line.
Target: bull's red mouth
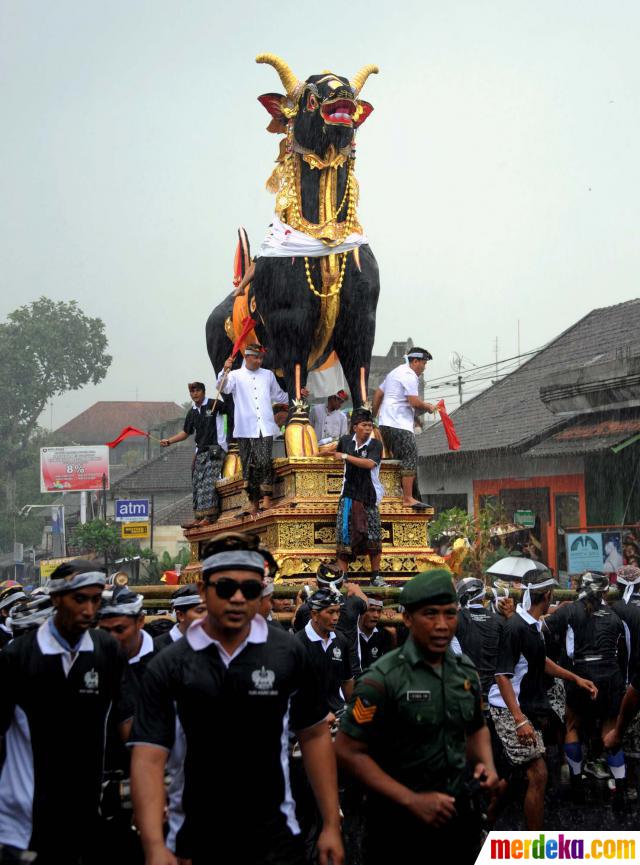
x=338, y=112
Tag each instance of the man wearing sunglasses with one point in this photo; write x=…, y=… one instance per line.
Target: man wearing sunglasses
x=236, y=687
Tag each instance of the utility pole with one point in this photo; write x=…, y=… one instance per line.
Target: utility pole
x=496, y=359
x=455, y=361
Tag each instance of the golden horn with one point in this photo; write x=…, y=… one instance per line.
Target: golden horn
x=283, y=69
x=359, y=79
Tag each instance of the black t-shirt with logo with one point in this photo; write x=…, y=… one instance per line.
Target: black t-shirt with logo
x=202, y=422
x=332, y=666
x=54, y=729
x=358, y=484
x=378, y=644
x=236, y=723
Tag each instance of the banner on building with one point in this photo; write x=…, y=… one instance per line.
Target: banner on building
x=594, y=551
x=72, y=469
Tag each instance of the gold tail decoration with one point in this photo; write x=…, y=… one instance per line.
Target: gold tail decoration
x=299, y=436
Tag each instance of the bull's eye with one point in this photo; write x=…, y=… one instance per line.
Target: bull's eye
x=312, y=102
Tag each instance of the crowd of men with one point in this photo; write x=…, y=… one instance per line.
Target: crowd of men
x=232, y=736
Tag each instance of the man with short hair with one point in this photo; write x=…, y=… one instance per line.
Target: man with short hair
x=518, y=700
x=187, y=606
x=235, y=684
x=205, y=420
x=59, y=686
x=373, y=641
x=413, y=724
x=358, y=530
x=327, y=420
x=328, y=651
x=254, y=391
x=395, y=403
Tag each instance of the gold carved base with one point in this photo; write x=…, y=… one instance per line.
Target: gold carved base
x=300, y=528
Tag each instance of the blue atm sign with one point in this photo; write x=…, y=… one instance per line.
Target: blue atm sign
x=132, y=510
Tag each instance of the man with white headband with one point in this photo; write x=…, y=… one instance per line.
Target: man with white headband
x=29, y=614
x=395, y=402
x=236, y=685
x=479, y=630
x=187, y=606
x=254, y=392
x=373, y=641
x=9, y=597
x=59, y=685
x=518, y=700
x=596, y=643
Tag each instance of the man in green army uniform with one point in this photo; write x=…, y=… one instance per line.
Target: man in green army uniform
x=412, y=728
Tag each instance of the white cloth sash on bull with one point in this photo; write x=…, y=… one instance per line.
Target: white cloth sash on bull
x=282, y=241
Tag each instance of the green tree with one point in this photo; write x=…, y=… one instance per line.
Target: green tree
x=46, y=349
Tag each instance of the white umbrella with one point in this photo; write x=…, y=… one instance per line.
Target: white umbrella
x=515, y=567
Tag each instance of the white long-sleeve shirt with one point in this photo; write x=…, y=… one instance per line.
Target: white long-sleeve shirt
x=253, y=395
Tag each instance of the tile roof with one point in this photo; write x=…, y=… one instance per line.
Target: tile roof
x=587, y=437
x=180, y=512
x=510, y=414
x=170, y=470
x=104, y=420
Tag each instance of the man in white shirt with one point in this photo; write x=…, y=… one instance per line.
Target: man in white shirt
x=254, y=391
x=327, y=420
x=396, y=401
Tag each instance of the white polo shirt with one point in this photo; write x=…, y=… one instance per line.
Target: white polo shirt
x=254, y=394
x=395, y=410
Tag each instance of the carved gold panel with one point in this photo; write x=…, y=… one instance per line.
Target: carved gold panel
x=410, y=534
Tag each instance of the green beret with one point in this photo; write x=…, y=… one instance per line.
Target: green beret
x=433, y=587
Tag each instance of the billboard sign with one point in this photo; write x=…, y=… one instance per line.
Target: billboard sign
x=132, y=510
x=72, y=469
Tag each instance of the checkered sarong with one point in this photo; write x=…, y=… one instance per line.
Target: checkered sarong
x=206, y=471
x=257, y=468
x=401, y=444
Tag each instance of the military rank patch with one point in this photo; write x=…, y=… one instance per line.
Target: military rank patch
x=363, y=714
x=418, y=696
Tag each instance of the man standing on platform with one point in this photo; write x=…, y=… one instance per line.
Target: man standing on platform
x=327, y=420
x=396, y=401
x=358, y=530
x=205, y=420
x=254, y=391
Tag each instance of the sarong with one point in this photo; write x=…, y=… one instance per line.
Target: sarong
x=257, y=468
x=401, y=444
x=358, y=531
x=207, y=466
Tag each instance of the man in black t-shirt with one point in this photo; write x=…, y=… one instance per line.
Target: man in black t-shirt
x=328, y=651
x=59, y=686
x=236, y=686
x=373, y=641
x=204, y=419
x=479, y=630
x=355, y=604
x=187, y=606
x=358, y=529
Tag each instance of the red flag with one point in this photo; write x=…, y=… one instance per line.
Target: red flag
x=452, y=437
x=125, y=434
x=247, y=326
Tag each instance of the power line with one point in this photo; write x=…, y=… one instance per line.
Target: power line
x=515, y=357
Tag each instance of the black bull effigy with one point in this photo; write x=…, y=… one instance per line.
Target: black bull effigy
x=315, y=289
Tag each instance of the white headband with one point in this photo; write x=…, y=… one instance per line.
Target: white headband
x=526, y=598
x=241, y=560
x=132, y=608
x=76, y=581
x=12, y=598
x=186, y=601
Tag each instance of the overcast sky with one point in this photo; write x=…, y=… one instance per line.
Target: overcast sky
x=499, y=171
